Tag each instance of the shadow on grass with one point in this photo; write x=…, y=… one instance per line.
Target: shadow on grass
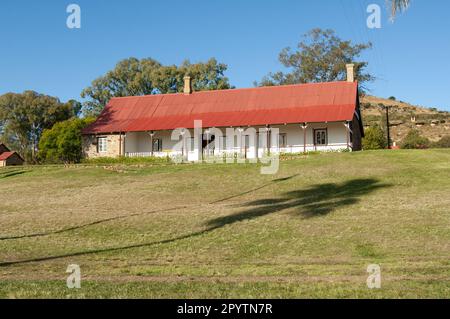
x=68, y=229
x=104, y=250
x=11, y=173
x=275, y=181
x=106, y=220
x=319, y=200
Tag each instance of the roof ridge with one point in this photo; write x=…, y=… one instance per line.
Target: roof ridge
x=236, y=89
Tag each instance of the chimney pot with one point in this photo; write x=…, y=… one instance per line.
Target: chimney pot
x=187, y=85
x=350, y=73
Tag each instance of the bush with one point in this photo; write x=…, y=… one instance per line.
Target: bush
x=413, y=140
x=374, y=139
x=442, y=143
x=63, y=142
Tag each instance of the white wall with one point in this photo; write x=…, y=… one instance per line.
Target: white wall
x=337, y=137
x=140, y=143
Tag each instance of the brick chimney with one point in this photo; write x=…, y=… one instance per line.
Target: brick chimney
x=187, y=85
x=350, y=73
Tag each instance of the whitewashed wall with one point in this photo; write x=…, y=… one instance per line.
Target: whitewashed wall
x=139, y=143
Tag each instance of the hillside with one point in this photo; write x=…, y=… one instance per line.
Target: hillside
x=432, y=123
x=226, y=231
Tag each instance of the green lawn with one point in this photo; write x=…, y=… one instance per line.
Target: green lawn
x=208, y=231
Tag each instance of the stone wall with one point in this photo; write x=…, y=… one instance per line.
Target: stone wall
x=114, y=146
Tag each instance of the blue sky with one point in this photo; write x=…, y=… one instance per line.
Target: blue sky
x=38, y=52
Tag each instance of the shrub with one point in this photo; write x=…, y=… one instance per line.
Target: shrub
x=374, y=139
x=63, y=142
x=442, y=143
x=413, y=140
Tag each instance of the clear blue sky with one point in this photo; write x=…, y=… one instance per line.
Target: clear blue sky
x=410, y=57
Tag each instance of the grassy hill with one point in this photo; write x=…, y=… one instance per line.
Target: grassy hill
x=432, y=123
x=227, y=231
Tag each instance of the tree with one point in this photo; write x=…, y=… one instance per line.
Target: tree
x=398, y=6
x=374, y=139
x=320, y=57
x=63, y=142
x=132, y=77
x=23, y=118
x=413, y=140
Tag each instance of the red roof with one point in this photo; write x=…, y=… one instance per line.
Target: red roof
x=319, y=102
x=6, y=155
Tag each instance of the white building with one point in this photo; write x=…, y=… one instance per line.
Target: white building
x=239, y=122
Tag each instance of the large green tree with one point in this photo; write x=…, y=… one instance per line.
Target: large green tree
x=133, y=77
x=63, y=142
x=321, y=56
x=23, y=117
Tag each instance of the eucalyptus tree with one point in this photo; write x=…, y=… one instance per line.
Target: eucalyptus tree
x=23, y=118
x=321, y=56
x=399, y=6
x=133, y=77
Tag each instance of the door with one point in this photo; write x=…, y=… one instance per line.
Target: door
x=208, y=145
x=320, y=137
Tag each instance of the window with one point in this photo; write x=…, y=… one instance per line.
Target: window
x=157, y=145
x=320, y=137
x=102, y=145
x=282, y=140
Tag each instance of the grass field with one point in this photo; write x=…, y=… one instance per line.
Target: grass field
x=224, y=231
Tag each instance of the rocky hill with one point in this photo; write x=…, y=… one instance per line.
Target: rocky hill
x=431, y=122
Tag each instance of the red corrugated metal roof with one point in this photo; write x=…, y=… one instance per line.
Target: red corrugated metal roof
x=319, y=102
x=6, y=155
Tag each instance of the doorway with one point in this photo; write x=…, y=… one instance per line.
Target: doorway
x=208, y=145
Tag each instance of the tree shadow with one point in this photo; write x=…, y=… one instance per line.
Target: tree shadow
x=97, y=222
x=110, y=219
x=11, y=173
x=274, y=181
x=103, y=250
x=318, y=200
